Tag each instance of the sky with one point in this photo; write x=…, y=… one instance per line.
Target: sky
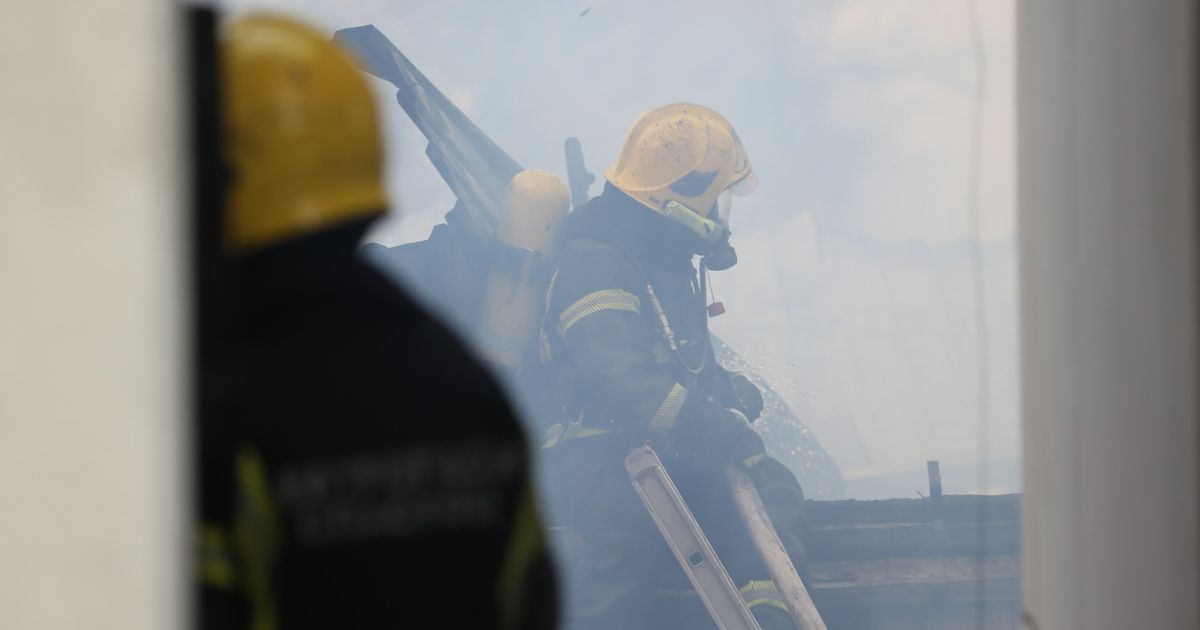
x=854, y=290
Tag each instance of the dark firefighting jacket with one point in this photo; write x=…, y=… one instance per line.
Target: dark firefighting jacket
x=606, y=336
x=622, y=384
x=358, y=469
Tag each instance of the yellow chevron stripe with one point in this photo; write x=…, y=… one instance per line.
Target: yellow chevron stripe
x=595, y=302
x=669, y=410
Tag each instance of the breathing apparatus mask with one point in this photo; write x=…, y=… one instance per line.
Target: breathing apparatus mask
x=713, y=228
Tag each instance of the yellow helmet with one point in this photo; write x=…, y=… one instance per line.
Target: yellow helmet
x=301, y=134
x=684, y=161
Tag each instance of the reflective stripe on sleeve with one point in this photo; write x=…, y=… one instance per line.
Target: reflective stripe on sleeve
x=596, y=301
x=257, y=536
x=215, y=561
x=762, y=593
x=545, y=352
x=753, y=460
x=525, y=547
x=668, y=411
x=559, y=433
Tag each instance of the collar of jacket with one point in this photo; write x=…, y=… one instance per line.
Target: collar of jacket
x=615, y=218
x=305, y=265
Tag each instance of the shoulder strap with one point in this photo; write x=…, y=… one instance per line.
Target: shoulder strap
x=591, y=243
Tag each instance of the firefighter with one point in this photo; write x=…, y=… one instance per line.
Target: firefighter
x=625, y=336
x=358, y=469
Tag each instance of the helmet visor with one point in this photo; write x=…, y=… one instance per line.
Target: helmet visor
x=742, y=187
x=748, y=181
x=746, y=185
x=724, y=206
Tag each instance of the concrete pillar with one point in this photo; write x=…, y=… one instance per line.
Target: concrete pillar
x=91, y=316
x=1108, y=272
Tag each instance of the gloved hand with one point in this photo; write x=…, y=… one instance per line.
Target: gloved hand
x=745, y=445
x=722, y=437
x=748, y=395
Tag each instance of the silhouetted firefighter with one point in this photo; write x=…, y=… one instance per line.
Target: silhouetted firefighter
x=357, y=468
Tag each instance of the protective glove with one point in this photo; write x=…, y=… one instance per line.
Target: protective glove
x=748, y=396
x=745, y=444
x=725, y=437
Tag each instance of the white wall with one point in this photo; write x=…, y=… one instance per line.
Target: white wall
x=1108, y=273
x=90, y=316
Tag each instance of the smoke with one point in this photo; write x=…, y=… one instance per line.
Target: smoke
x=853, y=291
